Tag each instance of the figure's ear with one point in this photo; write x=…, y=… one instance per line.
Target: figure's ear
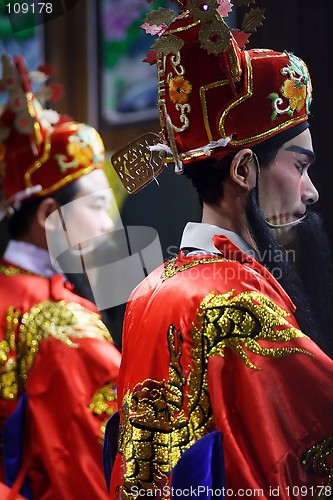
x=45, y=209
x=243, y=169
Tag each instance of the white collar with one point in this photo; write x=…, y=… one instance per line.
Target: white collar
x=198, y=235
x=29, y=257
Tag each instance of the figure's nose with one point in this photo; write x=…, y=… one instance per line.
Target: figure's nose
x=107, y=224
x=310, y=194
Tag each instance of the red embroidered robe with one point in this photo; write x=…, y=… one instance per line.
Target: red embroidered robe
x=211, y=343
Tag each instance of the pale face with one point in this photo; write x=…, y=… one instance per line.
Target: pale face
x=87, y=218
x=285, y=188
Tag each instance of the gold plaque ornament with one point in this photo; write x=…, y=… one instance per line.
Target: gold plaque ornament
x=140, y=162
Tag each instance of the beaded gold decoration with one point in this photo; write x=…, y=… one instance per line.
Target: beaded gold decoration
x=24, y=333
x=103, y=404
x=161, y=419
x=8, y=364
x=239, y=322
x=61, y=320
x=318, y=461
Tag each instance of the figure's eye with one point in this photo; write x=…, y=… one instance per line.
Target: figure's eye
x=301, y=167
x=95, y=206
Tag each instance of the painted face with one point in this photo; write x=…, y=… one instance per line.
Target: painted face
x=285, y=188
x=86, y=220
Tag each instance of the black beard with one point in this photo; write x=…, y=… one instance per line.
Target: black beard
x=315, y=267
x=301, y=279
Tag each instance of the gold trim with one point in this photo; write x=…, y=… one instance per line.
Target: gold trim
x=236, y=69
x=45, y=157
x=268, y=133
x=268, y=55
x=239, y=322
x=32, y=112
x=163, y=418
x=202, y=91
x=249, y=92
x=184, y=28
x=66, y=180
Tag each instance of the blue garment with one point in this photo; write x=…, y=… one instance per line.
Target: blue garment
x=13, y=441
x=110, y=446
x=200, y=470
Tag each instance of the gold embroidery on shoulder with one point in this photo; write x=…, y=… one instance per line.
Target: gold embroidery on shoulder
x=318, y=460
x=170, y=268
x=8, y=364
x=13, y=271
x=239, y=322
x=61, y=320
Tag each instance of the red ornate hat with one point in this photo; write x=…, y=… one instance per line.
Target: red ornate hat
x=40, y=151
x=213, y=96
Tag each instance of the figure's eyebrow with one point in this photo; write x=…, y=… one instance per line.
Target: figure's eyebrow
x=303, y=151
x=98, y=196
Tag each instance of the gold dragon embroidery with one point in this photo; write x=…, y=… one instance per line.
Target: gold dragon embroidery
x=161, y=419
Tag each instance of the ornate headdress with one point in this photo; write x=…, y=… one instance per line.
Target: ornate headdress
x=214, y=97
x=40, y=151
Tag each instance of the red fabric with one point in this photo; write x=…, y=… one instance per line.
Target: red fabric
x=20, y=158
x=33, y=152
x=223, y=92
x=5, y=492
x=268, y=417
x=63, y=436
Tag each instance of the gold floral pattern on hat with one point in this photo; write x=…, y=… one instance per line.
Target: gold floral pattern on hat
x=296, y=89
x=85, y=147
x=296, y=93
x=179, y=89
